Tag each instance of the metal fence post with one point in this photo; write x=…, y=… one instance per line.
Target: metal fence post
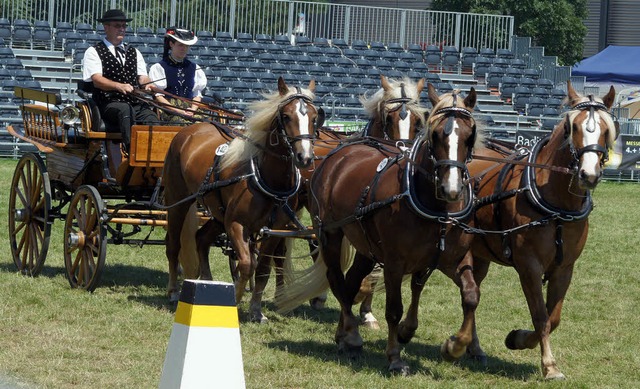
x=403, y=28
x=232, y=19
x=290, y=19
x=173, y=12
x=347, y=25
x=458, y=30
x=52, y=10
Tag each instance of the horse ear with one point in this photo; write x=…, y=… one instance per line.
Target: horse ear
x=571, y=93
x=312, y=85
x=420, y=86
x=384, y=82
x=282, y=86
x=470, y=100
x=433, y=94
x=609, y=97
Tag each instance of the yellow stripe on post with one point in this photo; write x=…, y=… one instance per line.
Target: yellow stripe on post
x=205, y=339
x=207, y=315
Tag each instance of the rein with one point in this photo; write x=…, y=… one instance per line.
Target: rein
x=142, y=94
x=558, y=169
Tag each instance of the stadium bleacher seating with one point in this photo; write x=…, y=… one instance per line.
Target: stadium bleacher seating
x=239, y=68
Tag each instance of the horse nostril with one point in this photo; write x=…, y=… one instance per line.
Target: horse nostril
x=583, y=174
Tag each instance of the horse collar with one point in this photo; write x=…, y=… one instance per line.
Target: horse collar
x=534, y=196
x=412, y=197
x=278, y=195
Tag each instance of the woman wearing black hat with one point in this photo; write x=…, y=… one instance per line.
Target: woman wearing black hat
x=115, y=70
x=177, y=75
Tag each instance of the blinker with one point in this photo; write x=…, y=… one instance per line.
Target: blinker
x=591, y=121
x=303, y=105
x=403, y=109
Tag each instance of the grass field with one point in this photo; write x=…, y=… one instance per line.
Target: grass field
x=54, y=337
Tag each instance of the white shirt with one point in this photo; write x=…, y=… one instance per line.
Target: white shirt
x=91, y=63
x=157, y=76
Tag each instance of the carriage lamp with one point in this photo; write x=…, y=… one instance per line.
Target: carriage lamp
x=70, y=115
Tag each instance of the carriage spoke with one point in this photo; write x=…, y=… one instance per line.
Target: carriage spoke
x=40, y=204
x=19, y=227
x=36, y=193
x=37, y=238
x=23, y=200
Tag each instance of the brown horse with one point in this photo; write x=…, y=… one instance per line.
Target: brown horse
x=395, y=113
x=540, y=210
x=244, y=185
x=396, y=209
x=394, y=110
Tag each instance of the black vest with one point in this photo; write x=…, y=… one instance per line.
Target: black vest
x=180, y=77
x=115, y=71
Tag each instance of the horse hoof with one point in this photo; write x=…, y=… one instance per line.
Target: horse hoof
x=317, y=303
x=400, y=368
x=480, y=359
x=446, y=352
x=557, y=376
x=174, y=297
x=369, y=321
x=260, y=319
x=510, y=340
x=552, y=373
x=350, y=351
x=350, y=345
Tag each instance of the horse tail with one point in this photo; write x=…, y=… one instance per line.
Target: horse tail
x=188, y=255
x=310, y=282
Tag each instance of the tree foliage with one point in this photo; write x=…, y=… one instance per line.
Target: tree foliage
x=558, y=25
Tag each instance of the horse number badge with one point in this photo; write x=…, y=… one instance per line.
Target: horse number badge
x=222, y=149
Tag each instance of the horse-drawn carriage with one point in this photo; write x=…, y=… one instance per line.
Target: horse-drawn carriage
x=437, y=204
x=102, y=194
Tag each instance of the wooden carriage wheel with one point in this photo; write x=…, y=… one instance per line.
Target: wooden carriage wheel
x=29, y=206
x=85, y=243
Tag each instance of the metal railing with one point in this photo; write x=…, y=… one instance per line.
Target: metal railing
x=281, y=17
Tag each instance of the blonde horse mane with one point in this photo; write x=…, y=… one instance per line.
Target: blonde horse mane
x=375, y=104
x=258, y=127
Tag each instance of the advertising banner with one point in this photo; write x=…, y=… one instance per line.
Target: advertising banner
x=624, y=156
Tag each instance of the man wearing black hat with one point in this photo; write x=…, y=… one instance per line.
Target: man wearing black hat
x=115, y=70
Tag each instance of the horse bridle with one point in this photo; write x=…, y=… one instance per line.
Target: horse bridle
x=450, y=114
x=304, y=100
x=402, y=106
x=592, y=106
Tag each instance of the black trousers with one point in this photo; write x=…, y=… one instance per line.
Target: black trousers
x=122, y=115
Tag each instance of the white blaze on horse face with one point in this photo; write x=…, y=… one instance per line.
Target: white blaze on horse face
x=303, y=123
x=404, y=126
x=452, y=183
x=591, y=161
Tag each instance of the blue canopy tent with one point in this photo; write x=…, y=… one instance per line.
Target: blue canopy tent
x=613, y=65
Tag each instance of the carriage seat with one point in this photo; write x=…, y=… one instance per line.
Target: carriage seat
x=85, y=91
